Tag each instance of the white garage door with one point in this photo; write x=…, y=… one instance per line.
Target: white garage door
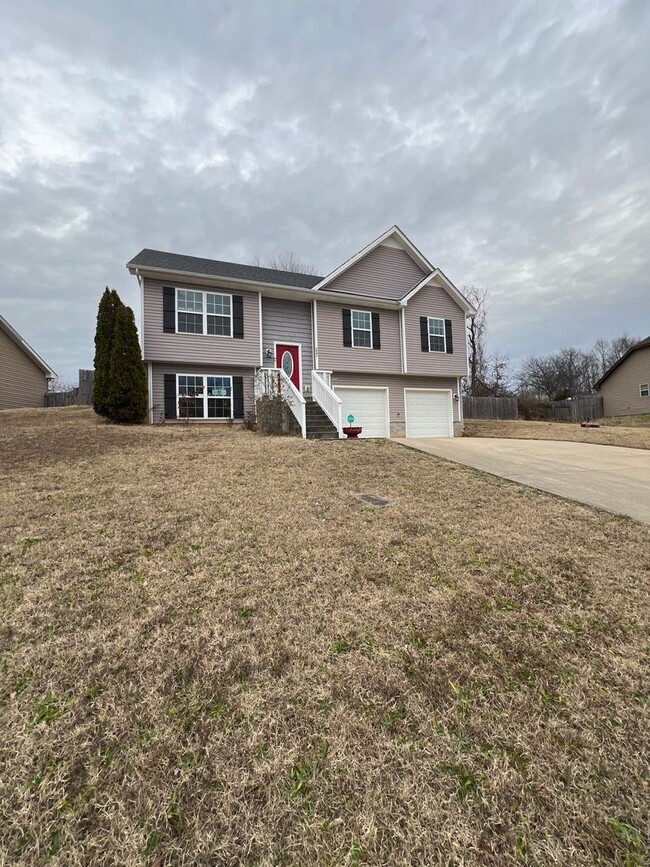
x=369, y=406
x=428, y=413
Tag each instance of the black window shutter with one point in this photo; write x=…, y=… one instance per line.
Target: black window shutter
x=376, y=334
x=169, y=310
x=238, y=396
x=170, y=395
x=424, y=333
x=237, y=316
x=347, y=327
x=449, y=341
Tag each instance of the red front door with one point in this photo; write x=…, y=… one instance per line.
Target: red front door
x=287, y=358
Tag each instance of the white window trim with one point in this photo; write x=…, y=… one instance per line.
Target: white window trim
x=204, y=377
x=646, y=386
x=443, y=335
x=204, y=314
x=353, y=329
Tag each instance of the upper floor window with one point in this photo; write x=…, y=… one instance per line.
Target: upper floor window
x=203, y=313
x=361, y=329
x=437, y=335
x=644, y=390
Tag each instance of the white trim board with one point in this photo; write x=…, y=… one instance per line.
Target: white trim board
x=447, y=285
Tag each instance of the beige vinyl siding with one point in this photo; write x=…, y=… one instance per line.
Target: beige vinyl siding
x=201, y=348
x=620, y=390
x=385, y=272
x=22, y=382
x=158, y=384
x=396, y=386
x=286, y=321
x=332, y=355
x=434, y=301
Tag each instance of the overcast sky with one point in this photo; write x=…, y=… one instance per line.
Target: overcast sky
x=509, y=140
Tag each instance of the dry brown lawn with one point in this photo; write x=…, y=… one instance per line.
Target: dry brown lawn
x=611, y=433
x=214, y=654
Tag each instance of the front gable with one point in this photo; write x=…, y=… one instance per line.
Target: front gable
x=374, y=271
x=385, y=272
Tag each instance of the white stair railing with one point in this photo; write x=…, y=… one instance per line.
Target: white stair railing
x=274, y=382
x=327, y=399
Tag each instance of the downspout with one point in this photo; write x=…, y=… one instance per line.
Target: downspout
x=402, y=337
x=314, y=325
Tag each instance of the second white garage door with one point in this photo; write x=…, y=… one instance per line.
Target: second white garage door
x=428, y=413
x=369, y=406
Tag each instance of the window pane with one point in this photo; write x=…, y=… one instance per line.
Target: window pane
x=218, y=304
x=361, y=338
x=190, y=323
x=219, y=325
x=437, y=327
x=437, y=344
x=219, y=407
x=190, y=301
x=219, y=386
x=360, y=320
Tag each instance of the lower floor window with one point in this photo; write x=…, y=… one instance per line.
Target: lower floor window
x=204, y=396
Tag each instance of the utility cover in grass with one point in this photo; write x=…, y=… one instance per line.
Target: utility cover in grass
x=372, y=499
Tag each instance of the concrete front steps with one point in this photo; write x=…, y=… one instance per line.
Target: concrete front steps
x=319, y=427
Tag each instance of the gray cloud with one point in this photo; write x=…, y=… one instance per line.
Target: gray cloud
x=510, y=142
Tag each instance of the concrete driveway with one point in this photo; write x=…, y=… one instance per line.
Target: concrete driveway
x=610, y=477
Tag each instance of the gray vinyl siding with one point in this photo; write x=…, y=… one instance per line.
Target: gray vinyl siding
x=332, y=355
x=201, y=348
x=385, y=272
x=288, y=322
x=396, y=386
x=620, y=390
x=22, y=383
x=434, y=301
x=158, y=383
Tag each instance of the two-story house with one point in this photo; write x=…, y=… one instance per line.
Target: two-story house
x=381, y=338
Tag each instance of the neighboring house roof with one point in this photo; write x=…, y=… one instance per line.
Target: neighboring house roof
x=157, y=259
x=642, y=344
x=26, y=348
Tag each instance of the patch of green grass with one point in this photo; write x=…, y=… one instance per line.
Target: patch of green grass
x=341, y=646
x=390, y=718
x=358, y=855
x=55, y=843
x=469, y=784
x=23, y=682
x=29, y=543
x=47, y=710
x=152, y=842
x=301, y=779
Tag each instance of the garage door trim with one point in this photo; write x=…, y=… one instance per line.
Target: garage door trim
x=451, y=407
x=369, y=388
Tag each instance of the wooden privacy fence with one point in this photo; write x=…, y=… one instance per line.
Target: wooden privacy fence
x=496, y=408
x=82, y=395
x=576, y=409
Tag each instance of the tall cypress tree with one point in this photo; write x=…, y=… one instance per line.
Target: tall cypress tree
x=110, y=301
x=127, y=382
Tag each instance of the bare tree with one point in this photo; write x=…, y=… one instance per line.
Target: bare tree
x=286, y=261
x=476, y=327
x=60, y=384
x=561, y=374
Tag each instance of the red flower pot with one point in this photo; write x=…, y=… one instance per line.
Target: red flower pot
x=352, y=433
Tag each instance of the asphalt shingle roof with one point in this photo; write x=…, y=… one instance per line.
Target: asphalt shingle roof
x=177, y=262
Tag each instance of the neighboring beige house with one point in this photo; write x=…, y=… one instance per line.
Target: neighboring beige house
x=382, y=338
x=625, y=388
x=24, y=374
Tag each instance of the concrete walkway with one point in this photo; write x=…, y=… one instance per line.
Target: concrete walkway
x=610, y=477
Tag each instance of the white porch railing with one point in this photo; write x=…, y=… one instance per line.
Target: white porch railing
x=330, y=403
x=274, y=382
